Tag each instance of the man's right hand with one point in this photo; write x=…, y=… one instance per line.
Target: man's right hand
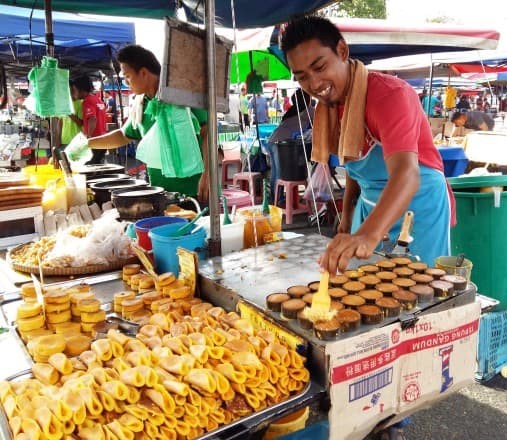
x=342, y=248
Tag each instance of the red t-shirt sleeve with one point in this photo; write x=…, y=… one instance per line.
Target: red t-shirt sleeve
x=89, y=109
x=395, y=119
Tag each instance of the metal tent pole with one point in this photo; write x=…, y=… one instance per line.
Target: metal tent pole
x=50, y=37
x=50, y=51
x=214, y=241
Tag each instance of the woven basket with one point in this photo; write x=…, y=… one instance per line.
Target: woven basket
x=63, y=271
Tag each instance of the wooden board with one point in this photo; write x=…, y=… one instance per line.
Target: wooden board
x=22, y=204
x=7, y=180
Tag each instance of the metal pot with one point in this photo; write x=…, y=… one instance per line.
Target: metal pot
x=108, y=178
x=103, y=190
x=142, y=202
x=96, y=171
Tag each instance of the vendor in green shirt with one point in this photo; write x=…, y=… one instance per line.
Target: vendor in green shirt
x=69, y=126
x=141, y=71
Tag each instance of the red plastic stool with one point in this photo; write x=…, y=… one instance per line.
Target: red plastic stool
x=226, y=165
x=242, y=182
x=293, y=205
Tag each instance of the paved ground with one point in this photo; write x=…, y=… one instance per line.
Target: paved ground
x=476, y=412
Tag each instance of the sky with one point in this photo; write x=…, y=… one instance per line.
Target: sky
x=463, y=12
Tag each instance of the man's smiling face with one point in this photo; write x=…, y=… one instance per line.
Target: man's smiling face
x=320, y=71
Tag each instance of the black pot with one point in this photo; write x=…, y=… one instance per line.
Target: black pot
x=108, y=178
x=103, y=190
x=141, y=202
x=96, y=171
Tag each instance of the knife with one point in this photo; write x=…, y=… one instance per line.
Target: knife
x=404, y=239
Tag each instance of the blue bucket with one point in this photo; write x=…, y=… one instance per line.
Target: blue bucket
x=164, y=246
x=143, y=226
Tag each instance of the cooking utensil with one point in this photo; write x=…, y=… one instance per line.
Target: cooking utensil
x=321, y=301
x=185, y=228
x=143, y=201
x=460, y=260
x=65, y=164
x=108, y=178
x=95, y=171
x=103, y=190
x=404, y=239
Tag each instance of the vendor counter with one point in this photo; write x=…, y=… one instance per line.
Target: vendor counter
x=242, y=280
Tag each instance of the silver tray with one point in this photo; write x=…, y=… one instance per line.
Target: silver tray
x=255, y=420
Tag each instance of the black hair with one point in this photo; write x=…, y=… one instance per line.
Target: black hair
x=138, y=57
x=83, y=83
x=457, y=115
x=307, y=28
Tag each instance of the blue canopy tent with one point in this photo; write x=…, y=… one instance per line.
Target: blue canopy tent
x=247, y=14
x=81, y=44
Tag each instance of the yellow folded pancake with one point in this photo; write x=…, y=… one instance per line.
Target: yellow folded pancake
x=56, y=296
x=58, y=317
x=93, y=317
x=116, y=389
x=61, y=363
x=27, y=310
x=32, y=323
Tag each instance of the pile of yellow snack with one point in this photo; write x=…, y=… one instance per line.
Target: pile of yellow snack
x=66, y=310
x=192, y=368
x=154, y=293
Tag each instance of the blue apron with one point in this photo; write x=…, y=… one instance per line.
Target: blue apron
x=431, y=205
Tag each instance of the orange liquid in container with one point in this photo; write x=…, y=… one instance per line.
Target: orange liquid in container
x=257, y=225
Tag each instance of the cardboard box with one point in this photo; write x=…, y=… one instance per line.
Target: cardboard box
x=388, y=373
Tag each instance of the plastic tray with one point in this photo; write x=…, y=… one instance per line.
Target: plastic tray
x=492, y=350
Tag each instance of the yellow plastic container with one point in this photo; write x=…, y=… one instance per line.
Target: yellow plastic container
x=259, y=225
x=288, y=424
x=54, y=198
x=42, y=174
x=449, y=265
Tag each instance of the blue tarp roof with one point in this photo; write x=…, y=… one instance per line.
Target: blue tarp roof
x=80, y=43
x=248, y=14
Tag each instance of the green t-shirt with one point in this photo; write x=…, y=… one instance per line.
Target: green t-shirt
x=69, y=128
x=186, y=185
x=243, y=104
x=141, y=129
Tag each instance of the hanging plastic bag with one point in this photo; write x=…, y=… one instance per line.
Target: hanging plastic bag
x=173, y=133
x=321, y=182
x=51, y=89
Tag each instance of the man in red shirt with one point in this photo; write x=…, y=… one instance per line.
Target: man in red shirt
x=385, y=144
x=94, y=114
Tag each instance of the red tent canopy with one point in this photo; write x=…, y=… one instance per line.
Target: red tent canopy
x=477, y=68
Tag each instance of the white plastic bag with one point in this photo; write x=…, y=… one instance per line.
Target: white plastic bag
x=321, y=182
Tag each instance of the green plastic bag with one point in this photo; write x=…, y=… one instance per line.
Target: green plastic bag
x=51, y=89
x=173, y=134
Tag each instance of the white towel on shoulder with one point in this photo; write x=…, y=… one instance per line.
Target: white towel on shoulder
x=136, y=112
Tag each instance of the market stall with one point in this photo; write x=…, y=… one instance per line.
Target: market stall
x=211, y=358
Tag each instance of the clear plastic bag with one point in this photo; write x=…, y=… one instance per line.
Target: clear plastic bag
x=321, y=182
x=77, y=151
